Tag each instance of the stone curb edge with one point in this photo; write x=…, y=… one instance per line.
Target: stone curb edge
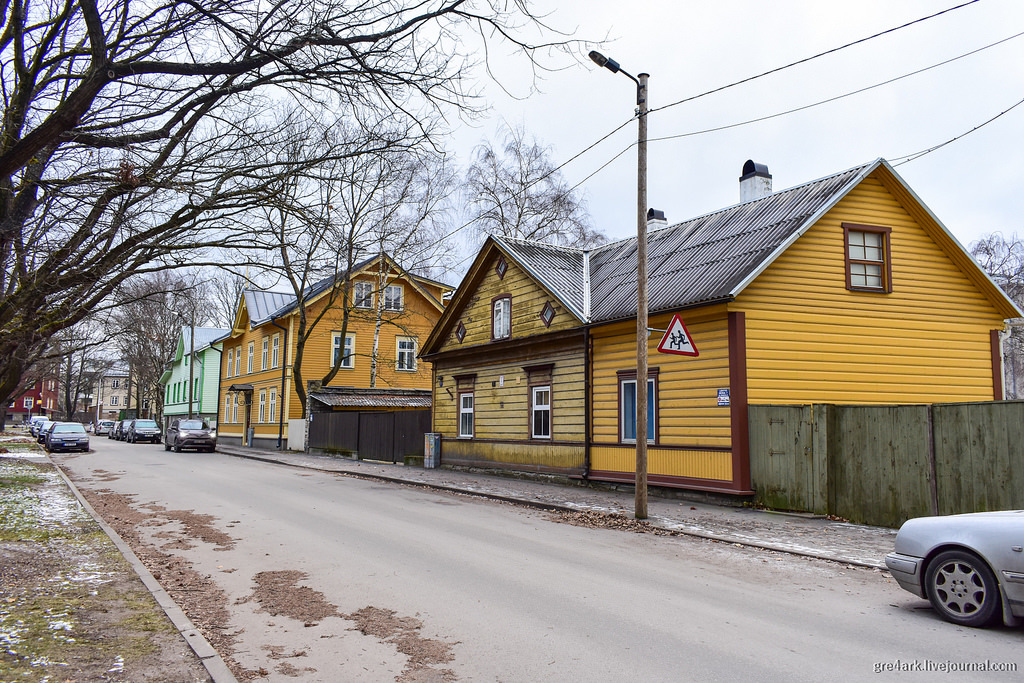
x=555, y=507
x=209, y=657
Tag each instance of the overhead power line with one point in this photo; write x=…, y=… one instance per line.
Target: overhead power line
x=860, y=41
x=907, y=158
x=812, y=57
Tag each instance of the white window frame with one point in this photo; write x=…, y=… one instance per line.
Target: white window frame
x=227, y=407
x=115, y=384
x=409, y=363
x=231, y=363
x=272, y=405
x=464, y=412
x=348, y=361
x=265, y=353
x=362, y=294
x=26, y=402
x=275, y=351
x=249, y=360
x=263, y=405
x=501, y=318
x=114, y=400
x=234, y=407
x=393, y=295
x=537, y=408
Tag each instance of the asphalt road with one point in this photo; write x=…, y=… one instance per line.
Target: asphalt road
x=512, y=595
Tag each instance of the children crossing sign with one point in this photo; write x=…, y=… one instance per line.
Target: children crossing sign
x=677, y=339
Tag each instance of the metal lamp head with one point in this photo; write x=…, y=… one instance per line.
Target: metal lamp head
x=601, y=60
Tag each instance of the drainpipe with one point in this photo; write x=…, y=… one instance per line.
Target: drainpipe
x=587, y=411
x=281, y=358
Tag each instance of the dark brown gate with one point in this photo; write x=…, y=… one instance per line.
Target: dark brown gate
x=370, y=435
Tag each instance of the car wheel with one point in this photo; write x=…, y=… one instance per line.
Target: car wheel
x=962, y=588
x=167, y=446
x=177, y=447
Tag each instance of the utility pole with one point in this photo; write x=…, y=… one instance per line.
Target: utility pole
x=641, y=280
x=641, y=297
x=191, y=358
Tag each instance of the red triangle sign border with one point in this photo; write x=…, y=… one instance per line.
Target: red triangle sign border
x=677, y=339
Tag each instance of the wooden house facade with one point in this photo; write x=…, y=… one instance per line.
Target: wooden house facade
x=259, y=404
x=846, y=289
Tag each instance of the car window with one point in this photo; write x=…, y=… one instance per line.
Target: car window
x=75, y=428
x=145, y=423
x=192, y=424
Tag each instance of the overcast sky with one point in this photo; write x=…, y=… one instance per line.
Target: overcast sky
x=974, y=185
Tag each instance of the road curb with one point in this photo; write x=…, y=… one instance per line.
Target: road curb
x=555, y=507
x=209, y=657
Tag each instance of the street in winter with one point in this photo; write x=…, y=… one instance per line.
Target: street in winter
x=296, y=574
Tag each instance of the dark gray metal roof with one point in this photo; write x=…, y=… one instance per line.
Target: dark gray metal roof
x=348, y=397
x=705, y=259
x=559, y=269
x=699, y=261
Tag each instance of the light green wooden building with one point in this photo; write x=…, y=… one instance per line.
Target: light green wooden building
x=200, y=363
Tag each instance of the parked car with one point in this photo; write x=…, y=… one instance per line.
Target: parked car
x=190, y=433
x=143, y=430
x=103, y=427
x=67, y=436
x=120, y=430
x=970, y=566
x=33, y=424
x=41, y=429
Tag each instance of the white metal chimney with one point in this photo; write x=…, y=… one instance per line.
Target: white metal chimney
x=756, y=181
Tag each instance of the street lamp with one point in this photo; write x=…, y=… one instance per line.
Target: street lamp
x=641, y=279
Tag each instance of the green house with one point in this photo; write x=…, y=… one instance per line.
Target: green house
x=197, y=362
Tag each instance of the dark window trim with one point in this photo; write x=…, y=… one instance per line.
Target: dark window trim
x=494, y=301
x=547, y=307
x=501, y=267
x=652, y=373
x=886, y=256
x=460, y=331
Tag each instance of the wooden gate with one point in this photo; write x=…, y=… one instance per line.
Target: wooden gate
x=369, y=435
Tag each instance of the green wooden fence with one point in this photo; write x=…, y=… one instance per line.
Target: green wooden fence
x=885, y=464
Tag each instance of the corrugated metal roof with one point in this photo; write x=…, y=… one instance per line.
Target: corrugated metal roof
x=204, y=337
x=262, y=305
x=346, y=397
x=704, y=259
x=560, y=269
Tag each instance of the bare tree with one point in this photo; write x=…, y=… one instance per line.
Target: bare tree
x=225, y=288
x=1003, y=260
x=146, y=324
x=135, y=135
x=330, y=218
x=515, y=190
x=80, y=363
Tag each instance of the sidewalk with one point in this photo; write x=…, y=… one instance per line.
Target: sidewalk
x=854, y=544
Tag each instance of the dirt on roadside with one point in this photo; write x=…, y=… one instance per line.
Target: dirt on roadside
x=71, y=607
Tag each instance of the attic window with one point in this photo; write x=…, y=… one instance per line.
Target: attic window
x=868, y=258
x=547, y=314
x=460, y=332
x=501, y=268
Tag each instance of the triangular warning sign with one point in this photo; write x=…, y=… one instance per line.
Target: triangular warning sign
x=677, y=339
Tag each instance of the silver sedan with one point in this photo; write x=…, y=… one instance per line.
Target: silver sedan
x=970, y=567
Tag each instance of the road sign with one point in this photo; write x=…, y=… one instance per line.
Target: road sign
x=677, y=339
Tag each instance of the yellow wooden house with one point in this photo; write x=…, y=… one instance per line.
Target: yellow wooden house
x=259, y=404
x=846, y=289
